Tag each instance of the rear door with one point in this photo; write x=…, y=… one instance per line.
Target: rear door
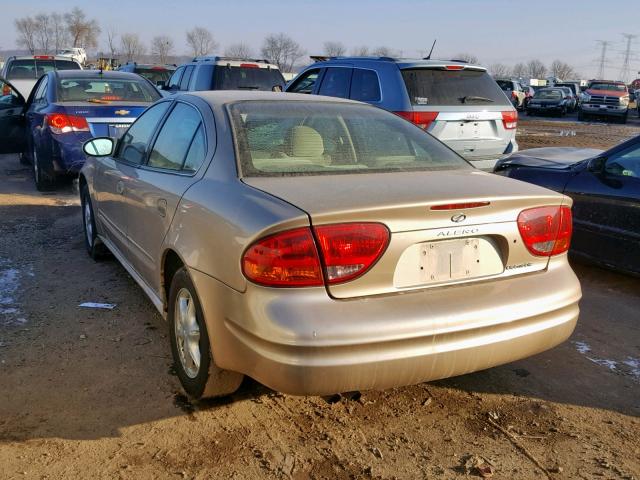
x=154, y=191
x=336, y=82
x=12, y=128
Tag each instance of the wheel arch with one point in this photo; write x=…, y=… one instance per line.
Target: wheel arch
x=170, y=264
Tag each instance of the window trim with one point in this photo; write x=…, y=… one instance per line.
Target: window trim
x=324, y=77
x=379, y=86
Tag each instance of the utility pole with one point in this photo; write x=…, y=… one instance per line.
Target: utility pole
x=625, y=70
x=604, y=44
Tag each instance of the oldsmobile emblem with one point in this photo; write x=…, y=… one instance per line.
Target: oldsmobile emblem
x=460, y=217
x=122, y=112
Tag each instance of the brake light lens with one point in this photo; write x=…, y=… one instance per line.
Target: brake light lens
x=249, y=65
x=291, y=258
x=43, y=57
x=460, y=206
x=510, y=119
x=421, y=119
x=454, y=67
x=63, y=123
x=350, y=249
x=546, y=231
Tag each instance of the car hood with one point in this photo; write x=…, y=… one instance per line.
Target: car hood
x=549, y=157
x=608, y=93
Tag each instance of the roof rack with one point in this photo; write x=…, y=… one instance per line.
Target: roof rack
x=215, y=58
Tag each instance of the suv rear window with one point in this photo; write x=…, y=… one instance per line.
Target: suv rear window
x=431, y=87
x=33, y=69
x=242, y=78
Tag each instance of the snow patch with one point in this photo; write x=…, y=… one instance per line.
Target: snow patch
x=10, y=313
x=630, y=366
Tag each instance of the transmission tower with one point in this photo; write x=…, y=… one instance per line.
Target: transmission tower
x=626, y=69
x=603, y=56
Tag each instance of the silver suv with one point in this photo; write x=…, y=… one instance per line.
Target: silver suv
x=23, y=72
x=457, y=102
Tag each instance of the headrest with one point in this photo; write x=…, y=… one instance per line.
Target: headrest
x=305, y=142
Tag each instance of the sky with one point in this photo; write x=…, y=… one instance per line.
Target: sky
x=504, y=31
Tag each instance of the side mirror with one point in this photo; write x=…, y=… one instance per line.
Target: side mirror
x=596, y=165
x=99, y=147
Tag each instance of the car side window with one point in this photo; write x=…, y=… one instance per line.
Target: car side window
x=9, y=98
x=134, y=143
x=172, y=145
x=336, y=82
x=41, y=93
x=306, y=82
x=186, y=78
x=204, y=78
x=174, y=81
x=365, y=86
x=197, y=151
x=626, y=163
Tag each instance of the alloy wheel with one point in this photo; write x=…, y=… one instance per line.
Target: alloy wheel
x=187, y=333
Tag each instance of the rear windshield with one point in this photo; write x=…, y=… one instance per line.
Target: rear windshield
x=608, y=86
x=548, y=94
x=155, y=75
x=430, y=87
x=310, y=138
x=33, y=69
x=102, y=90
x=242, y=78
x=505, y=85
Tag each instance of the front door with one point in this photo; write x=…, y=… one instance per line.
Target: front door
x=12, y=126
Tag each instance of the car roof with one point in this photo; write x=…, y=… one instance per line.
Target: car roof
x=221, y=97
x=401, y=62
x=41, y=57
x=112, y=74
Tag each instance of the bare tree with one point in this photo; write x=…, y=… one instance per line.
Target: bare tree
x=536, y=69
x=384, y=52
x=499, y=70
x=111, y=42
x=334, y=49
x=362, y=51
x=26, y=28
x=162, y=47
x=201, y=41
x=132, y=46
x=562, y=70
x=519, y=70
x=82, y=31
x=58, y=32
x=43, y=32
x=282, y=50
x=467, y=57
x=238, y=50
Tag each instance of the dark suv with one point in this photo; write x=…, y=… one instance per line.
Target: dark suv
x=456, y=102
x=225, y=73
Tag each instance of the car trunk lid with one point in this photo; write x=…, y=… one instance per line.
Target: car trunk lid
x=106, y=120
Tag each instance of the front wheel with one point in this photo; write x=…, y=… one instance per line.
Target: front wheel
x=95, y=248
x=199, y=375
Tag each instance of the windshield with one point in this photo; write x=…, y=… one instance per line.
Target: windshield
x=102, y=90
x=243, y=78
x=548, y=95
x=280, y=138
x=34, y=69
x=608, y=86
x=431, y=87
x=155, y=74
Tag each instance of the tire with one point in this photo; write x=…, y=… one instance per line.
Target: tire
x=199, y=375
x=95, y=248
x=43, y=175
x=23, y=159
x=563, y=111
x=581, y=116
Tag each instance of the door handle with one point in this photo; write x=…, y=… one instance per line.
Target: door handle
x=162, y=207
x=120, y=187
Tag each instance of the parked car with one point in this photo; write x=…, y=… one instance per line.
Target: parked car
x=514, y=91
x=65, y=109
x=575, y=91
x=572, y=103
x=157, y=74
x=456, y=102
x=23, y=72
x=225, y=73
x=605, y=98
x=550, y=100
x=321, y=245
x=75, y=53
x=605, y=188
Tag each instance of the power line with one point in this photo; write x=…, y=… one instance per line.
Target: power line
x=603, y=55
x=625, y=70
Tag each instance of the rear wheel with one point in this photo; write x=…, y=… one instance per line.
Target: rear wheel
x=199, y=375
x=43, y=175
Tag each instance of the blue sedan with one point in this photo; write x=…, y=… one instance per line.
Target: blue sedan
x=65, y=109
x=605, y=187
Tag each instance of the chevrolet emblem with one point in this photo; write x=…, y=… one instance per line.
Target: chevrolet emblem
x=122, y=112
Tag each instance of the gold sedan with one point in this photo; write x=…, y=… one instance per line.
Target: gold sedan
x=321, y=245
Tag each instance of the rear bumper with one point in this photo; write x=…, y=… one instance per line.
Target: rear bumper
x=68, y=157
x=300, y=341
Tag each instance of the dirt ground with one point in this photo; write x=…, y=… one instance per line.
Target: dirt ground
x=91, y=393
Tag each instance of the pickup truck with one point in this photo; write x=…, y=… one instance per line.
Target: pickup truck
x=605, y=98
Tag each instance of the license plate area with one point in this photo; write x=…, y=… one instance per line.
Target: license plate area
x=117, y=130
x=448, y=260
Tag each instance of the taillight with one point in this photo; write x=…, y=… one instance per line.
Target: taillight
x=546, y=231
x=291, y=258
x=63, y=123
x=510, y=119
x=350, y=249
x=421, y=119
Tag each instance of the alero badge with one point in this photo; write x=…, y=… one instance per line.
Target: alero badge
x=458, y=218
x=122, y=112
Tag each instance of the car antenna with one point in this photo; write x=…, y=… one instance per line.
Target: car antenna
x=428, y=57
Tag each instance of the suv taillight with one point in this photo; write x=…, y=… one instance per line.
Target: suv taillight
x=421, y=119
x=63, y=123
x=291, y=258
x=510, y=119
x=546, y=231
